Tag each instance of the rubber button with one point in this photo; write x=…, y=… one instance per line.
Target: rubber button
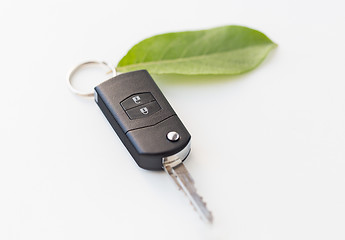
x=143, y=110
x=137, y=100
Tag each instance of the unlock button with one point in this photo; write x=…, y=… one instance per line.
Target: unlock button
x=144, y=110
x=136, y=100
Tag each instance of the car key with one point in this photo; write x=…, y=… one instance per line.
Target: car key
x=149, y=128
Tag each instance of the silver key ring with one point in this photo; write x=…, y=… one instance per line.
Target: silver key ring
x=77, y=68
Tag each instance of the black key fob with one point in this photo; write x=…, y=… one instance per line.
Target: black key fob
x=143, y=119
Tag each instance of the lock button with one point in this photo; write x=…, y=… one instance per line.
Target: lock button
x=136, y=100
x=144, y=110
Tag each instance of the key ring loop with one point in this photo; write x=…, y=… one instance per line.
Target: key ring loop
x=77, y=68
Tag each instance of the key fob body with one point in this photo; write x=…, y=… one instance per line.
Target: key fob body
x=143, y=119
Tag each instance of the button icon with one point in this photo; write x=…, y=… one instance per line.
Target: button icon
x=144, y=110
x=136, y=99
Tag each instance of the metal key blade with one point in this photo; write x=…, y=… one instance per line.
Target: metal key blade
x=184, y=181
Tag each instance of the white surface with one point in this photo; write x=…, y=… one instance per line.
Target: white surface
x=268, y=146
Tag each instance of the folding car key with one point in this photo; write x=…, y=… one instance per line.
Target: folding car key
x=149, y=128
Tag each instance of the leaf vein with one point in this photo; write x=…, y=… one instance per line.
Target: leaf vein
x=177, y=60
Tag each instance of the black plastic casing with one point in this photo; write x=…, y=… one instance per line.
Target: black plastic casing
x=145, y=138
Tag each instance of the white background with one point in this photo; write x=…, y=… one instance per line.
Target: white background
x=268, y=146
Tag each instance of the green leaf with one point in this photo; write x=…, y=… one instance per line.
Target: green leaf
x=223, y=50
